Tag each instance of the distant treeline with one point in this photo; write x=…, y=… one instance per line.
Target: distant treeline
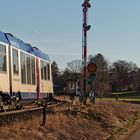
x=118, y=76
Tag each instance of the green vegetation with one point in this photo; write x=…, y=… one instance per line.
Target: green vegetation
x=133, y=96
x=124, y=92
x=128, y=96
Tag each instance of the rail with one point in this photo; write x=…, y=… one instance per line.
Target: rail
x=11, y=117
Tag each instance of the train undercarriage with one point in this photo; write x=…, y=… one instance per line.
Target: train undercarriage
x=14, y=101
x=8, y=102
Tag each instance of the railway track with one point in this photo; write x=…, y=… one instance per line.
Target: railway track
x=11, y=117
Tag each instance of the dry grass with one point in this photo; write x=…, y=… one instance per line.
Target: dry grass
x=105, y=120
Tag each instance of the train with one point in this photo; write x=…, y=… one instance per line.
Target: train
x=25, y=71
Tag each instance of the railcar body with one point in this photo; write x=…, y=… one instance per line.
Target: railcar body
x=25, y=71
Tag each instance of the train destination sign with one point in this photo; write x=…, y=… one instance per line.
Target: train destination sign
x=92, y=67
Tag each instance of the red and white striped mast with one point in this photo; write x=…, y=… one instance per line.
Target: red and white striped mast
x=85, y=28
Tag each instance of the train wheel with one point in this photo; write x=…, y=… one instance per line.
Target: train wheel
x=1, y=104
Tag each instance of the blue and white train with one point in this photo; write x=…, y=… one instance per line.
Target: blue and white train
x=25, y=71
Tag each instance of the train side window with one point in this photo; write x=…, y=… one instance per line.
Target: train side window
x=45, y=70
x=15, y=61
x=33, y=70
x=28, y=64
x=42, y=76
x=23, y=67
x=2, y=58
x=48, y=71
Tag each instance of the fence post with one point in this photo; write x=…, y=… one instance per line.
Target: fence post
x=44, y=112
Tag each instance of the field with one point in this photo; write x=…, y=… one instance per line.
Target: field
x=133, y=96
x=104, y=120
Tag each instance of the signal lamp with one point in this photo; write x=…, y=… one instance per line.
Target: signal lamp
x=88, y=27
x=86, y=4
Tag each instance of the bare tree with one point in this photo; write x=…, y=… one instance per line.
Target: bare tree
x=73, y=69
x=123, y=75
x=101, y=83
x=74, y=66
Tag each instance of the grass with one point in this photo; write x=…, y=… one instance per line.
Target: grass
x=104, y=120
x=127, y=96
x=123, y=92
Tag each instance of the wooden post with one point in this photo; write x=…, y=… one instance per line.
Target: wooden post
x=44, y=112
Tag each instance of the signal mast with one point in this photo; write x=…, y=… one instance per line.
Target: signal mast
x=85, y=28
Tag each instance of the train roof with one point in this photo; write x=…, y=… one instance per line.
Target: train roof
x=12, y=40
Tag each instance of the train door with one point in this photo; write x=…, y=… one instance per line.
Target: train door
x=38, y=78
x=15, y=70
x=4, y=68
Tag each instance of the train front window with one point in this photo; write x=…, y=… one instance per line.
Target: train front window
x=15, y=62
x=2, y=58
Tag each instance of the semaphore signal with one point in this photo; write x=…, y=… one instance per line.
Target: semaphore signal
x=85, y=28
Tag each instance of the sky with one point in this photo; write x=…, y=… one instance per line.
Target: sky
x=55, y=27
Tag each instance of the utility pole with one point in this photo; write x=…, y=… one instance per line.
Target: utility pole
x=85, y=28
